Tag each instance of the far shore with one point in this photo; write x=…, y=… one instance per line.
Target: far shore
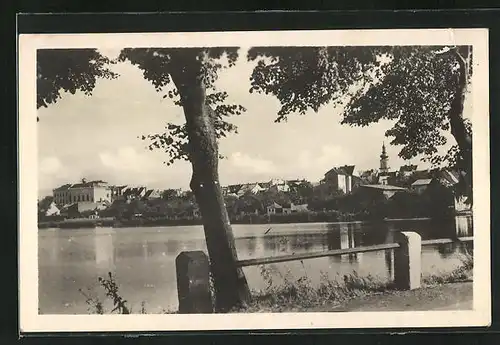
x=82, y=223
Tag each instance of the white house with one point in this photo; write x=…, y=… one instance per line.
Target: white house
x=52, y=210
x=253, y=188
x=280, y=185
x=341, y=177
x=274, y=208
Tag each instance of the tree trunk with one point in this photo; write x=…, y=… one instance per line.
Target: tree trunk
x=459, y=130
x=231, y=288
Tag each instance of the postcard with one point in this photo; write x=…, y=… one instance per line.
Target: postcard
x=254, y=180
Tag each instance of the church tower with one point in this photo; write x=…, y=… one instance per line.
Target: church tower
x=384, y=161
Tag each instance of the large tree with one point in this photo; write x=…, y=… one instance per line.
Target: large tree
x=193, y=72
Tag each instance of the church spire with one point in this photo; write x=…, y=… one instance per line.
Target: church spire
x=384, y=153
x=384, y=160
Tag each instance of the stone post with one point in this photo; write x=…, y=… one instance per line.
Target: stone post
x=407, y=261
x=193, y=284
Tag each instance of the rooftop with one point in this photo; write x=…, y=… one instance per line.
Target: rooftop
x=83, y=184
x=422, y=182
x=384, y=187
x=343, y=170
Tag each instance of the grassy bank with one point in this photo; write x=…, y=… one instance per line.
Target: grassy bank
x=295, y=295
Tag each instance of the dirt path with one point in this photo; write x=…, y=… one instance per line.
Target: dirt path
x=457, y=296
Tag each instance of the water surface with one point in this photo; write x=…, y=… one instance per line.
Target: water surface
x=143, y=259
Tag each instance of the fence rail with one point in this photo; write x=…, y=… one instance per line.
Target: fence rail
x=334, y=252
x=447, y=241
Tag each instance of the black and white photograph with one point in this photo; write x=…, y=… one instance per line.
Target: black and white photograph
x=254, y=180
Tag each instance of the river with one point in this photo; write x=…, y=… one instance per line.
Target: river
x=143, y=259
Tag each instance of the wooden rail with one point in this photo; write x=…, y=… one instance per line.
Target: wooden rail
x=336, y=252
x=447, y=240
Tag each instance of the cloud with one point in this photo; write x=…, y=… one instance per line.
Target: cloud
x=128, y=166
x=126, y=158
x=313, y=164
x=50, y=165
x=52, y=172
x=251, y=164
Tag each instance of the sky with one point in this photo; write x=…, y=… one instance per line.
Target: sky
x=97, y=137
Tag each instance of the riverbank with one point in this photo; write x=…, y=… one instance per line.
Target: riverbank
x=447, y=296
x=451, y=296
x=79, y=223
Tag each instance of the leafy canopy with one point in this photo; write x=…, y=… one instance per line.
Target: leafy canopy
x=68, y=70
x=412, y=85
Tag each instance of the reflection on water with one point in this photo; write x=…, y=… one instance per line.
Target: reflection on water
x=104, y=251
x=143, y=260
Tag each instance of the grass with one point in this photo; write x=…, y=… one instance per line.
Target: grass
x=95, y=305
x=301, y=294
x=284, y=293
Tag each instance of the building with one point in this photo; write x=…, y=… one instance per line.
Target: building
x=449, y=179
x=152, y=194
x=133, y=193
x=279, y=185
x=52, y=210
x=384, y=161
x=368, y=176
x=299, y=208
x=420, y=185
x=253, y=188
x=85, y=191
x=274, y=208
x=83, y=209
x=407, y=170
x=47, y=207
x=231, y=189
x=341, y=178
x=387, y=178
x=117, y=192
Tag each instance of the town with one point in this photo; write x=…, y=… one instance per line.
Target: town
x=342, y=195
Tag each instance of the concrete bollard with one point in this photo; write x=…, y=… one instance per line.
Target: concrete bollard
x=193, y=284
x=407, y=261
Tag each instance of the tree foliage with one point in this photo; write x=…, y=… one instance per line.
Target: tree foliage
x=157, y=65
x=69, y=70
x=413, y=85
x=304, y=78
x=421, y=88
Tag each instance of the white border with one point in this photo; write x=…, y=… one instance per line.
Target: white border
x=30, y=321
